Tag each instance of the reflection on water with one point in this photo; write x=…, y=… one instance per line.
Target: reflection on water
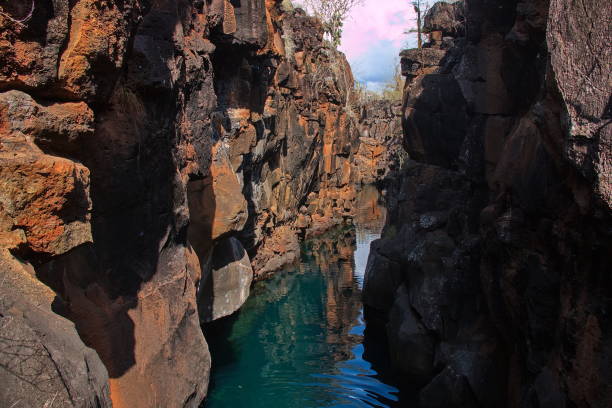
x=300, y=340
x=369, y=222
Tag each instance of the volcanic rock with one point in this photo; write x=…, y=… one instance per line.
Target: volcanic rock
x=147, y=147
x=501, y=233
x=225, y=285
x=43, y=359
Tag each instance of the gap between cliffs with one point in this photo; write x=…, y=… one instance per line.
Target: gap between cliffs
x=155, y=158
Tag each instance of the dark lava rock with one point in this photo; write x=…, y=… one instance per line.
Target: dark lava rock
x=225, y=284
x=43, y=360
x=510, y=274
x=445, y=17
x=410, y=345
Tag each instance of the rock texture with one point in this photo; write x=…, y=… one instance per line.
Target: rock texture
x=43, y=360
x=45, y=201
x=492, y=268
x=380, y=155
x=154, y=156
x=226, y=282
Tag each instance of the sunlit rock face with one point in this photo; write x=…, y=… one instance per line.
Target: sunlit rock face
x=495, y=251
x=151, y=151
x=297, y=139
x=45, y=199
x=289, y=133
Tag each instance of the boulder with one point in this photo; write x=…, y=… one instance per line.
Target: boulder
x=226, y=281
x=170, y=352
x=147, y=340
x=59, y=126
x=43, y=360
x=44, y=203
x=445, y=17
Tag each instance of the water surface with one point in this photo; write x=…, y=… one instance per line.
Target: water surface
x=300, y=341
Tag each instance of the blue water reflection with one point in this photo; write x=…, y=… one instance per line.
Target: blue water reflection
x=300, y=340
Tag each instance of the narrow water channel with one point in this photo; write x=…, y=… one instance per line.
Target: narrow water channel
x=300, y=341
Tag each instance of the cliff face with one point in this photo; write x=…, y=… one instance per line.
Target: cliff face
x=380, y=155
x=492, y=270
x=155, y=157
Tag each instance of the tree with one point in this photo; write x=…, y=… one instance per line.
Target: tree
x=332, y=14
x=420, y=8
x=394, y=88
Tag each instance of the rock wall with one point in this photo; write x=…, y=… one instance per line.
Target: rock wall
x=492, y=273
x=380, y=156
x=155, y=157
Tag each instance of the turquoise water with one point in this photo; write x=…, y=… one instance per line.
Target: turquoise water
x=300, y=340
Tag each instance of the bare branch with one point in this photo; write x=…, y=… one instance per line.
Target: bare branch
x=21, y=21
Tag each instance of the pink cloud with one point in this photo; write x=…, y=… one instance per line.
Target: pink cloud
x=376, y=21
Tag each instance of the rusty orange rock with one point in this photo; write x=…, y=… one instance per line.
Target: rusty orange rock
x=44, y=199
x=27, y=61
x=78, y=52
x=47, y=198
x=216, y=202
x=96, y=48
x=26, y=125
x=191, y=145
x=280, y=249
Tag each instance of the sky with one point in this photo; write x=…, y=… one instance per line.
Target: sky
x=373, y=36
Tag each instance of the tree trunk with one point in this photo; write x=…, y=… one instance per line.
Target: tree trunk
x=419, y=28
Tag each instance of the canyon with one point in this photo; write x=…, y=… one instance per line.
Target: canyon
x=159, y=157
